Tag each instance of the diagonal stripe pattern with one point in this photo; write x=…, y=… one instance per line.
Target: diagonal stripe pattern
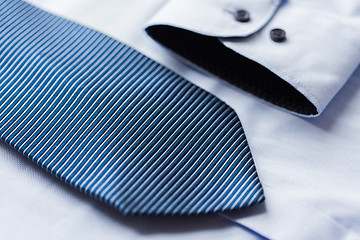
x=116, y=125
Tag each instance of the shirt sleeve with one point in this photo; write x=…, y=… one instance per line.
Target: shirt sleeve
x=299, y=71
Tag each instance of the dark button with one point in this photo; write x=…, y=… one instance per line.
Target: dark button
x=278, y=35
x=242, y=16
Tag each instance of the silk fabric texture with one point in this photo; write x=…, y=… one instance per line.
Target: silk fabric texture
x=115, y=124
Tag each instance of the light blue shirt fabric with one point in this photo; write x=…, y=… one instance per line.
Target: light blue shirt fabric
x=309, y=167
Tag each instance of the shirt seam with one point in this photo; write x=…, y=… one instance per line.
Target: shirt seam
x=332, y=219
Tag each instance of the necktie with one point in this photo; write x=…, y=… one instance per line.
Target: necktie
x=116, y=125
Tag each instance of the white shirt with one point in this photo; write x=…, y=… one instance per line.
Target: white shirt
x=309, y=167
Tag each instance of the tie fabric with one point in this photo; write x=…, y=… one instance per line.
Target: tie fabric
x=116, y=125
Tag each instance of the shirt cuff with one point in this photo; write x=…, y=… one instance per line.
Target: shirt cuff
x=301, y=74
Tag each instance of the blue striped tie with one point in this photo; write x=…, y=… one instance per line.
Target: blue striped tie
x=116, y=125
